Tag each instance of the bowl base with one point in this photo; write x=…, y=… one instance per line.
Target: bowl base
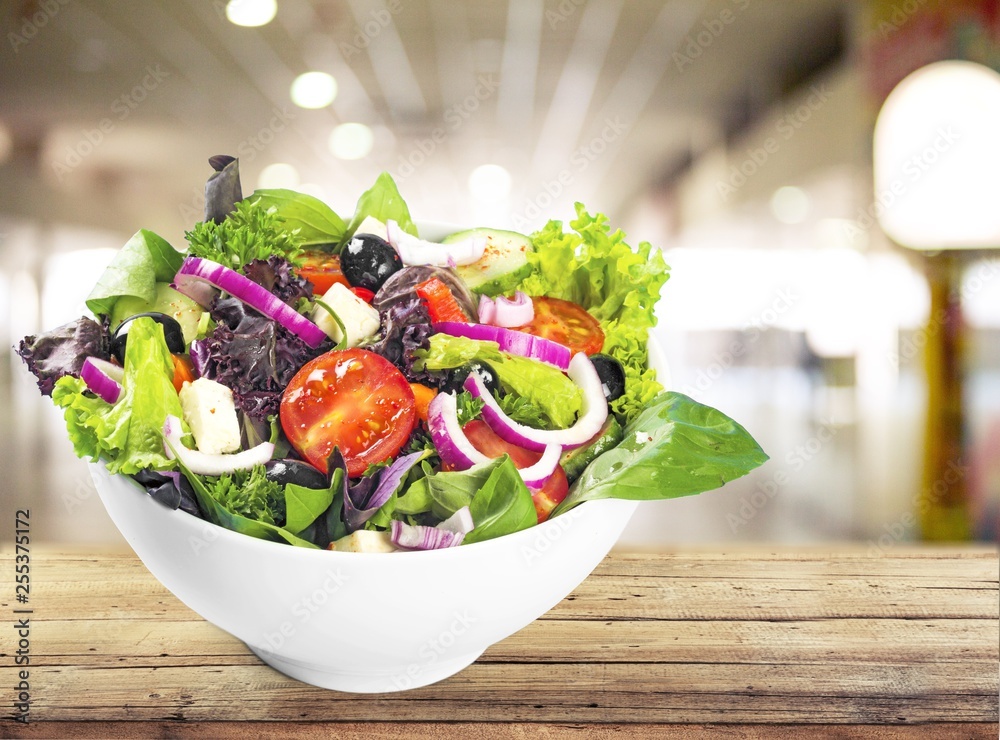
x=372, y=682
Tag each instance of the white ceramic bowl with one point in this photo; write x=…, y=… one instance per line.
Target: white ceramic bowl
x=363, y=622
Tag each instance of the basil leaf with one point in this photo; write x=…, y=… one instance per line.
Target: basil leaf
x=304, y=505
x=674, y=447
x=503, y=505
x=316, y=222
x=383, y=202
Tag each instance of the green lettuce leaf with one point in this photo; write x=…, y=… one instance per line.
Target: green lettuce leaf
x=617, y=284
x=315, y=221
x=383, y=202
x=128, y=434
x=144, y=260
x=674, y=447
x=303, y=506
x=544, y=386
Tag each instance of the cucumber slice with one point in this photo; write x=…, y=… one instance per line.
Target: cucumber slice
x=503, y=265
x=574, y=461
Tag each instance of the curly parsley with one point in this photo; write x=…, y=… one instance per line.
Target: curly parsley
x=249, y=233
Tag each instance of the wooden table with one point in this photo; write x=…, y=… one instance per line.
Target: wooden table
x=756, y=642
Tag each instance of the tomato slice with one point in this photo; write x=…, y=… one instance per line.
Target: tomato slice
x=322, y=269
x=441, y=304
x=352, y=399
x=567, y=323
x=490, y=444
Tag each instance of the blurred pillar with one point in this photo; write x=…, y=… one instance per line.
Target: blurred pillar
x=944, y=503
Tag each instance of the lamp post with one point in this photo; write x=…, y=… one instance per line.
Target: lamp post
x=936, y=165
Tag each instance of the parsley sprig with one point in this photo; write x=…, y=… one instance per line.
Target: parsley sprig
x=249, y=233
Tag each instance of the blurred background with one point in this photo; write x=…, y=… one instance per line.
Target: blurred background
x=736, y=135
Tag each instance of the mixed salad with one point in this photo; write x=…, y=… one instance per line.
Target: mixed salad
x=325, y=383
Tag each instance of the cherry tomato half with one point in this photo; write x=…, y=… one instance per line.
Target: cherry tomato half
x=486, y=441
x=322, y=269
x=567, y=323
x=352, y=399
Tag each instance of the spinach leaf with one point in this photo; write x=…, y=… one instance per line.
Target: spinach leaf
x=315, y=220
x=502, y=505
x=674, y=447
x=383, y=202
x=144, y=260
x=303, y=506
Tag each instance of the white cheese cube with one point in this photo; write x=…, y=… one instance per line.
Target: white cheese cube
x=360, y=320
x=372, y=226
x=365, y=540
x=211, y=413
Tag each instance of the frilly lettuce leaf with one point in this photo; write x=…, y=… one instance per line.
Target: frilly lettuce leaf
x=617, y=284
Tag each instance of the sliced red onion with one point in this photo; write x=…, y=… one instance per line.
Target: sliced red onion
x=196, y=272
x=449, y=440
x=515, y=342
x=419, y=537
x=103, y=378
x=535, y=476
x=592, y=417
x=205, y=464
x=415, y=251
x=487, y=310
x=506, y=312
x=460, y=522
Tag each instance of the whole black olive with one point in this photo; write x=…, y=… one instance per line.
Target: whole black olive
x=456, y=378
x=368, y=261
x=302, y=474
x=171, y=332
x=612, y=376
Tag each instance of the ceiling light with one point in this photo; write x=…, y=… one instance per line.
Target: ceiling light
x=351, y=141
x=314, y=90
x=489, y=183
x=790, y=205
x=278, y=175
x=251, y=13
x=936, y=158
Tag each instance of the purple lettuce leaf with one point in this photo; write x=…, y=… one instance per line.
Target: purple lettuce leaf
x=62, y=351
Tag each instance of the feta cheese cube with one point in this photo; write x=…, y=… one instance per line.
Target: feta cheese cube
x=211, y=413
x=365, y=540
x=372, y=226
x=360, y=320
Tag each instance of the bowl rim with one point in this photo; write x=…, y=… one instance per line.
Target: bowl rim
x=193, y=523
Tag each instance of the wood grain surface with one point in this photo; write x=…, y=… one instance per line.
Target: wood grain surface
x=748, y=643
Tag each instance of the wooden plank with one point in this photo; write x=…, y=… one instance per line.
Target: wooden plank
x=848, y=642
x=683, y=638
x=515, y=731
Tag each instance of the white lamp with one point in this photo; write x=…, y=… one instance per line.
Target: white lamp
x=937, y=158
